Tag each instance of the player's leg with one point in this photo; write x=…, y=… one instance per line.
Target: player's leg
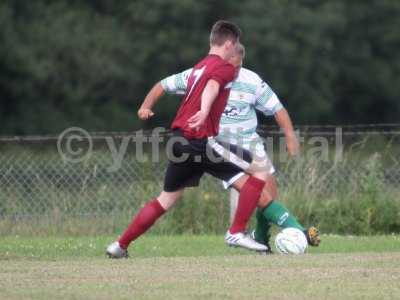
x=233, y=202
x=234, y=198
x=263, y=226
x=262, y=232
x=234, y=194
x=271, y=211
x=224, y=164
x=236, y=236
x=178, y=176
x=148, y=215
x=261, y=167
x=250, y=189
x=142, y=222
x=228, y=162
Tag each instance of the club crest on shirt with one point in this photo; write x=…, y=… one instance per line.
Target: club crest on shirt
x=231, y=111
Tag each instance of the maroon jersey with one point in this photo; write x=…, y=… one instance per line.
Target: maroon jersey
x=211, y=67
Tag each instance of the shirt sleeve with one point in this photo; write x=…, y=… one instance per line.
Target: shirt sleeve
x=267, y=101
x=176, y=84
x=223, y=74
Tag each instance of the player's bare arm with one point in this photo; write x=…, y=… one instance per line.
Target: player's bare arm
x=285, y=123
x=207, y=99
x=145, y=111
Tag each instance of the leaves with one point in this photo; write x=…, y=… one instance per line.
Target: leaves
x=90, y=63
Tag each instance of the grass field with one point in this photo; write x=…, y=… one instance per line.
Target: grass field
x=197, y=267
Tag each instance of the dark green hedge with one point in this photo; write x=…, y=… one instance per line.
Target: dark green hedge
x=89, y=63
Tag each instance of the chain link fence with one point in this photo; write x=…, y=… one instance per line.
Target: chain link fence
x=40, y=187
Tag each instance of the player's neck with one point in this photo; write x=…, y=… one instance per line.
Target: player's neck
x=217, y=51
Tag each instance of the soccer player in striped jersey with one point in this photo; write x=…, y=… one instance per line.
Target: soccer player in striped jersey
x=238, y=126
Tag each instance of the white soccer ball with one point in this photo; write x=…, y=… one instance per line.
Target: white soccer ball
x=291, y=241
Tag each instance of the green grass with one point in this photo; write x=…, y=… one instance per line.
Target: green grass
x=43, y=248
x=197, y=267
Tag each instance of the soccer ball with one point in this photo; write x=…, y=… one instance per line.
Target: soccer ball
x=291, y=241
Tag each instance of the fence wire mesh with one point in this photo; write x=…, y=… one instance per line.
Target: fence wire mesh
x=36, y=182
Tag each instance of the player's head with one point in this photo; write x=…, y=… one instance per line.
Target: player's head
x=225, y=35
x=237, y=59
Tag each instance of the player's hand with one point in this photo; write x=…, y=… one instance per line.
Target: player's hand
x=197, y=120
x=293, y=145
x=145, y=113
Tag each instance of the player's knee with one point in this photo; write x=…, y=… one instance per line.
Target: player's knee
x=269, y=192
x=168, y=200
x=260, y=175
x=260, y=168
x=265, y=198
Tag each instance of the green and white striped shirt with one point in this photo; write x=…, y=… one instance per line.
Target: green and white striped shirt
x=248, y=93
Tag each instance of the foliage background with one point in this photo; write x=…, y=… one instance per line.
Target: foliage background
x=90, y=63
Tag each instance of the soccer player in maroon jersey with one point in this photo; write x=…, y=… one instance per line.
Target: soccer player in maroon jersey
x=195, y=126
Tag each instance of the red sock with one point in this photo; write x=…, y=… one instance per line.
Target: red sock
x=248, y=199
x=145, y=218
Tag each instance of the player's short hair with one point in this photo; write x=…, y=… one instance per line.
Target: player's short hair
x=223, y=31
x=240, y=50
